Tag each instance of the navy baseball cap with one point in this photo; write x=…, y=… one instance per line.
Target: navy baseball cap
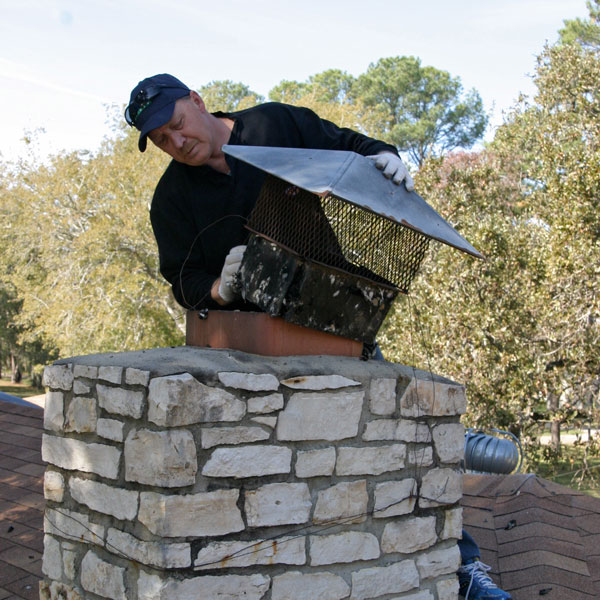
x=152, y=102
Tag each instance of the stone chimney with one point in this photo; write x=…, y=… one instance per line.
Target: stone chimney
x=193, y=473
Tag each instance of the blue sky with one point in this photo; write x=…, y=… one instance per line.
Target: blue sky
x=63, y=63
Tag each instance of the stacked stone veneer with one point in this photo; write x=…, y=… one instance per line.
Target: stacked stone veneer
x=192, y=473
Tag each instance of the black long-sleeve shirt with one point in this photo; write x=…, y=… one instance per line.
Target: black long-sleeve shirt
x=198, y=214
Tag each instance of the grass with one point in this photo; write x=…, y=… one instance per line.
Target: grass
x=577, y=468
x=22, y=390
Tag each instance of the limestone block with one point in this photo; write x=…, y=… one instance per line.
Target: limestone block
x=268, y=421
x=248, y=461
x=346, y=547
x=380, y=429
x=438, y=562
x=318, y=382
x=56, y=590
x=220, y=436
x=58, y=377
x=315, y=463
x=278, y=504
x=81, y=415
x=225, y=587
x=412, y=431
x=249, y=381
x=112, y=374
x=76, y=455
x=182, y=400
x=422, y=595
x=161, y=458
x=370, y=461
x=409, y=535
x=157, y=554
x=315, y=416
x=394, y=498
x=346, y=501
x=449, y=440
x=422, y=457
x=226, y=555
x=111, y=429
x=69, y=563
x=426, y=397
x=72, y=525
x=54, y=411
x=102, y=578
x=301, y=586
x=204, y=514
x=378, y=581
x=85, y=371
x=402, y=430
x=440, y=486
x=80, y=388
x=382, y=396
x=52, y=559
x=265, y=404
x=109, y=500
x=447, y=589
x=137, y=377
x=54, y=486
x=120, y=401
x=453, y=523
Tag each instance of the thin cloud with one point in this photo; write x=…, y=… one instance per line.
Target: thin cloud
x=18, y=72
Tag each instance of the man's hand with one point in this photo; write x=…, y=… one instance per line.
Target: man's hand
x=393, y=168
x=230, y=268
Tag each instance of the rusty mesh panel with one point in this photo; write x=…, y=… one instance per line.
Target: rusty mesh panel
x=334, y=232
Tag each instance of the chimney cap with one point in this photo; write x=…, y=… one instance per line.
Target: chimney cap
x=356, y=179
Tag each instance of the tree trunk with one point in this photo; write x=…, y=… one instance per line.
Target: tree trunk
x=15, y=371
x=554, y=423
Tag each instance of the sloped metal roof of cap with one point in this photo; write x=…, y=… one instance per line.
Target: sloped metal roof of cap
x=353, y=178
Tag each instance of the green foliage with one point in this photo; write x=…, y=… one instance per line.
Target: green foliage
x=521, y=329
x=81, y=253
x=421, y=110
x=585, y=32
x=471, y=320
x=228, y=96
x=426, y=111
x=328, y=94
x=290, y=92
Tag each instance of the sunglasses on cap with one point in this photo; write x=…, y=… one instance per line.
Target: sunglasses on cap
x=142, y=100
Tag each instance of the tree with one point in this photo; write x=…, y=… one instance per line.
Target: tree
x=328, y=94
x=426, y=111
x=228, y=96
x=468, y=319
x=561, y=176
x=81, y=253
x=521, y=329
x=583, y=32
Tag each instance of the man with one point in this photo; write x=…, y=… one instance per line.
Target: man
x=204, y=197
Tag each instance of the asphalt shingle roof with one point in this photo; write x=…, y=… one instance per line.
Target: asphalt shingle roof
x=540, y=538
x=21, y=501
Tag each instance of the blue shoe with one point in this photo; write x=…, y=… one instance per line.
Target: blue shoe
x=475, y=584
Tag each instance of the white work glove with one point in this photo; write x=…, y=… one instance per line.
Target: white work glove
x=230, y=268
x=393, y=168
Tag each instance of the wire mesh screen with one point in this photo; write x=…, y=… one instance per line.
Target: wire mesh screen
x=339, y=234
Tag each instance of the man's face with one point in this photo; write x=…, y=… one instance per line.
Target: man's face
x=189, y=137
